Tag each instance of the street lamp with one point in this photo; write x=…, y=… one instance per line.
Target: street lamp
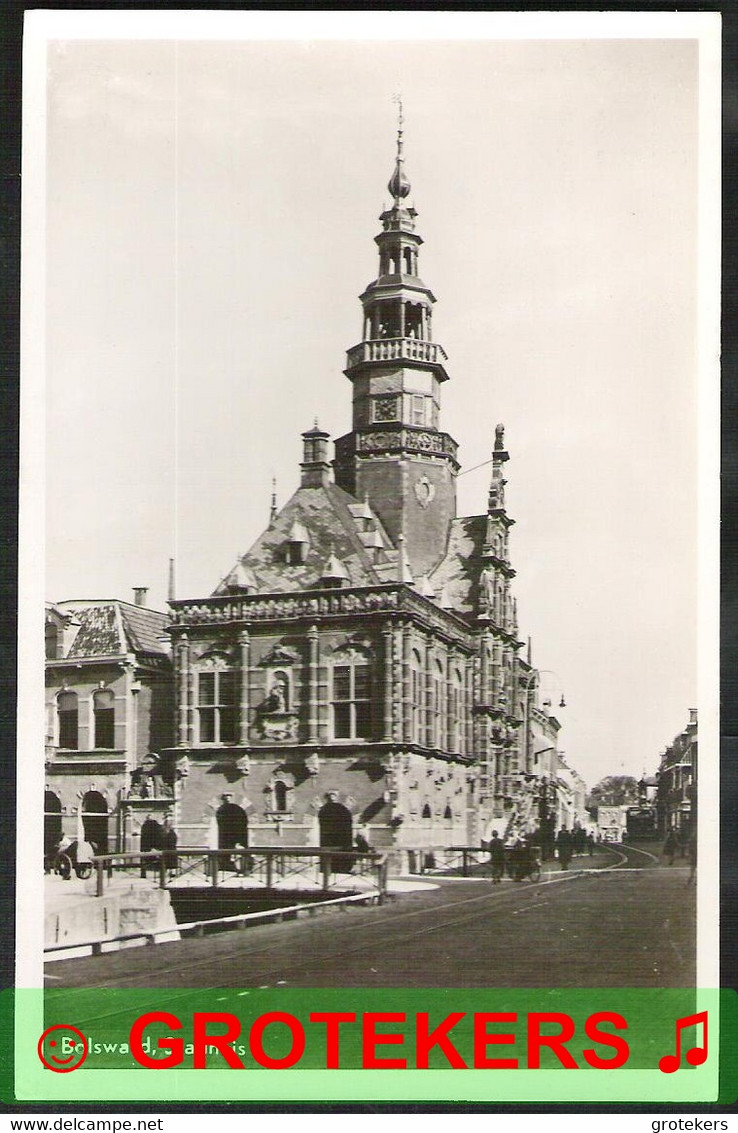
x=556, y=688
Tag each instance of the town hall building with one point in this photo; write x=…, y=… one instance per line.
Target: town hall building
x=358, y=671
x=359, y=667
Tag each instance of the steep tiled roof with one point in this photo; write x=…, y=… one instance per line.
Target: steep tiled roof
x=111, y=627
x=325, y=514
x=456, y=578
x=143, y=628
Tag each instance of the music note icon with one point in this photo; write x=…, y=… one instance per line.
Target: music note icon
x=697, y=1055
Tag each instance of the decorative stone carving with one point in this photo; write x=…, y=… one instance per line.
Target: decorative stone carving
x=312, y=764
x=280, y=655
x=278, y=726
x=216, y=611
x=243, y=765
x=379, y=440
x=424, y=491
x=385, y=409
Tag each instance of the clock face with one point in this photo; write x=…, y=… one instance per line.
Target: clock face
x=385, y=409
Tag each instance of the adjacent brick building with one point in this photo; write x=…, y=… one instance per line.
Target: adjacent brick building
x=109, y=710
x=676, y=793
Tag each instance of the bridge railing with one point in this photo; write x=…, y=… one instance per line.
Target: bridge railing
x=461, y=861
x=268, y=867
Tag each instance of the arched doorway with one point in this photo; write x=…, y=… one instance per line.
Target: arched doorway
x=95, y=821
x=52, y=822
x=233, y=825
x=334, y=819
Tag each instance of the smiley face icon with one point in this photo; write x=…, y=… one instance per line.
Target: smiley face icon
x=62, y=1048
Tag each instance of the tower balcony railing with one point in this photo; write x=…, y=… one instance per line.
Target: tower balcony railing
x=394, y=349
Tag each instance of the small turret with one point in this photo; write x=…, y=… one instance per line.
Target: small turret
x=315, y=466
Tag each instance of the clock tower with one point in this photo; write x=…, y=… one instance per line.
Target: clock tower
x=396, y=457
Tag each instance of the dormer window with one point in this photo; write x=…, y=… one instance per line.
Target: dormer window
x=240, y=580
x=334, y=574
x=296, y=548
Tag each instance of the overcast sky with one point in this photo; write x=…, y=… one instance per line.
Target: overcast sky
x=211, y=209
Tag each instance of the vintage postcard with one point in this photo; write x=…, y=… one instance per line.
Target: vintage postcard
x=370, y=491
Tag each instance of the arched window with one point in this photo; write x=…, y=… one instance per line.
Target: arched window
x=416, y=697
x=427, y=813
x=103, y=703
x=217, y=704
x=439, y=707
x=448, y=813
x=68, y=715
x=352, y=687
x=280, y=795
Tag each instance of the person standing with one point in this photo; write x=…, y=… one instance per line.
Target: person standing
x=169, y=846
x=670, y=846
x=564, y=847
x=150, y=841
x=496, y=857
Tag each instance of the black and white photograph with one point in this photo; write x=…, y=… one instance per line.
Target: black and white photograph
x=370, y=487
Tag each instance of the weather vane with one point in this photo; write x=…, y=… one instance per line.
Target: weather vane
x=398, y=99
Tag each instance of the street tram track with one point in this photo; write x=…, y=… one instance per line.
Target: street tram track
x=372, y=934
x=638, y=850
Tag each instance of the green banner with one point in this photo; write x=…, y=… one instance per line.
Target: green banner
x=453, y=1044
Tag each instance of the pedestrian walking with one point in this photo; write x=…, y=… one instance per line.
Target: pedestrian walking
x=150, y=840
x=590, y=844
x=564, y=848
x=496, y=857
x=169, y=847
x=670, y=847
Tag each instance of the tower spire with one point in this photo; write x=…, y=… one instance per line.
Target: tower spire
x=396, y=454
x=398, y=185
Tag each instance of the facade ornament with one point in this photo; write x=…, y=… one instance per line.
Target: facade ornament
x=312, y=764
x=243, y=765
x=424, y=491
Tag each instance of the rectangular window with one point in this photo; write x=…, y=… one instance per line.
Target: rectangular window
x=105, y=727
x=352, y=708
x=68, y=729
x=217, y=707
x=342, y=721
x=418, y=414
x=342, y=682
